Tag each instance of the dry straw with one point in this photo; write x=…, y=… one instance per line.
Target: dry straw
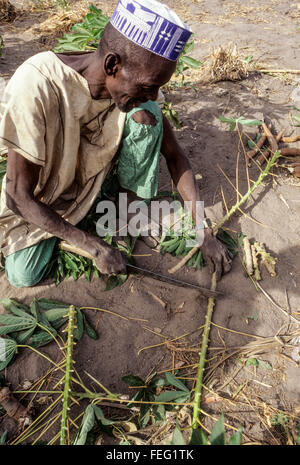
x=225, y=64
x=8, y=12
x=64, y=19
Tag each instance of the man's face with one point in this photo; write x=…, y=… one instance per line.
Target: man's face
x=131, y=87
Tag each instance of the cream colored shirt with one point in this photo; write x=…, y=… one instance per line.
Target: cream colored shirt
x=48, y=116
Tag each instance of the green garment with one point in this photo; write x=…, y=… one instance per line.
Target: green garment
x=138, y=162
x=27, y=267
x=137, y=170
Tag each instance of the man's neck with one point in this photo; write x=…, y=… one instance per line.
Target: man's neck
x=90, y=67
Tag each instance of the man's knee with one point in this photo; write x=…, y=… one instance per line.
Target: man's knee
x=21, y=277
x=27, y=267
x=144, y=117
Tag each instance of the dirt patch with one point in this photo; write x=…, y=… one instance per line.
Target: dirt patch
x=251, y=395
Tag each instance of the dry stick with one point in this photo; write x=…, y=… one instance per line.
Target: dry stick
x=232, y=211
x=291, y=71
x=290, y=139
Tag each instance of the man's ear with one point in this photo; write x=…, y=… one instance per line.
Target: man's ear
x=112, y=63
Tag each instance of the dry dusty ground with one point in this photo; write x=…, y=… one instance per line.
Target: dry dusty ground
x=249, y=396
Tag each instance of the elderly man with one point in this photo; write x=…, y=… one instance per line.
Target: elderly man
x=66, y=118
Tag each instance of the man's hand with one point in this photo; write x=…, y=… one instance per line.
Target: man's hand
x=215, y=254
x=107, y=259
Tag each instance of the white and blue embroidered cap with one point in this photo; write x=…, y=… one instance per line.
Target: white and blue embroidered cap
x=153, y=26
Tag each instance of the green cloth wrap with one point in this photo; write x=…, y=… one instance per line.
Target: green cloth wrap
x=138, y=162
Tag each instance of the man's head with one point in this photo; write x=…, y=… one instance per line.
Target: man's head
x=133, y=74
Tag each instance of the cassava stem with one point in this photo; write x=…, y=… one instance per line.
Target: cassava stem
x=202, y=360
x=231, y=212
x=68, y=370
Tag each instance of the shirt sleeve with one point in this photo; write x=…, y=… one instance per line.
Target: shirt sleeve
x=22, y=115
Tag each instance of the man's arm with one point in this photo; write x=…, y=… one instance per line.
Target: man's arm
x=21, y=180
x=215, y=254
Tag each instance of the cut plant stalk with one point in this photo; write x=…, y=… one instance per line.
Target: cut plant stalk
x=204, y=345
x=69, y=365
x=232, y=211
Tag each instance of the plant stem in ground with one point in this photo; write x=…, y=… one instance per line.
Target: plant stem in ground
x=202, y=361
x=68, y=370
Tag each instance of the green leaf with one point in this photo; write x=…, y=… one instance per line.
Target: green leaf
x=198, y=438
x=191, y=62
x=22, y=338
x=100, y=416
x=8, y=348
x=252, y=362
x=176, y=382
x=39, y=339
x=248, y=59
x=241, y=237
x=236, y=438
x=115, y=280
x=56, y=313
x=78, y=332
x=159, y=412
x=3, y=438
x=133, y=380
x=217, y=437
x=89, y=330
x=233, y=121
x=227, y=240
x=177, y=438
x=86, y=426
x=144, y=416
x=47, y=304
x=169, y=396
x=15, y=323
x=14, y=307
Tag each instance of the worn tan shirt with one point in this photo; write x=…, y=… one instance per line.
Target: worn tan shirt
x=48, y=116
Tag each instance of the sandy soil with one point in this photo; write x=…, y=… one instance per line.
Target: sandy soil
x=267, y=30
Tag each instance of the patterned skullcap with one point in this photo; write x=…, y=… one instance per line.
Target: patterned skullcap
x=151, y=25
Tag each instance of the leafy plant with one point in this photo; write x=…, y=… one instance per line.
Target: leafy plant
x=217, y=436
x=91, y=415
x=234, y=121
x=171, y=114
x=85, y=35
x=31, y=326
x=185, y=62
x=177, y=245
x=151, y=392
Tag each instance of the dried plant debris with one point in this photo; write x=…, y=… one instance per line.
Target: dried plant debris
x=267, y=260
x=14, y=408
x=63, y=20
x=251, y=253
x=225, y=64
x=8, y=12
